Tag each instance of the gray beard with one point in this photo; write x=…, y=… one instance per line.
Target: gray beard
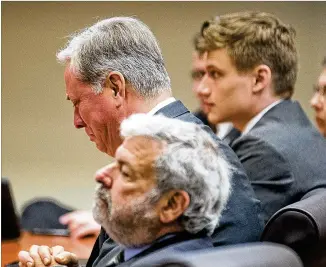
x=132, y=225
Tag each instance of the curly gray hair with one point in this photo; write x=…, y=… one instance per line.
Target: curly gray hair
x=121, y=44
x=190, y=161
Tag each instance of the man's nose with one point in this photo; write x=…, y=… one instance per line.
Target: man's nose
x=105, y=175
x=78, y=121
x=203, y=88
x=315, y=101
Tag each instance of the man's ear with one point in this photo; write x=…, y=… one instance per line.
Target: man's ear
x=115, y=83
x=262, y=78
x=172, y=205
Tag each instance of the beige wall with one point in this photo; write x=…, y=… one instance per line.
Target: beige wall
x=41, y=151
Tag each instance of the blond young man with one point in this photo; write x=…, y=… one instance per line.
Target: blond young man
x=251, y=72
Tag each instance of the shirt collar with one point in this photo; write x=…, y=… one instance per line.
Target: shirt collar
x=223, y=129
x=131, y=252
x=161, y=105
x=257, y=118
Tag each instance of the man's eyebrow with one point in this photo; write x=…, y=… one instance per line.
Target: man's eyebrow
x=210, y=65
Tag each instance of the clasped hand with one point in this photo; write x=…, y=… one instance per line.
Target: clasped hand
x=41, y=256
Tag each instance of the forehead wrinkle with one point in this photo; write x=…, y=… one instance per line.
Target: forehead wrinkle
x=142, y=153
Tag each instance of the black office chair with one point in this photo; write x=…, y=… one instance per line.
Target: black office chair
x=245, y=255
x=43, y=213
x=302, y=227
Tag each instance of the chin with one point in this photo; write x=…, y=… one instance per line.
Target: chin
x=212, y=118
x=102, y=149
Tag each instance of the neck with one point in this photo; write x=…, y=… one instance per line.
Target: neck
x=241, y=122
x=142, y=105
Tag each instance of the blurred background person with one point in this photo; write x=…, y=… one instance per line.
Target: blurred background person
x=318, y=101
x=80, y=223
x=223, y=130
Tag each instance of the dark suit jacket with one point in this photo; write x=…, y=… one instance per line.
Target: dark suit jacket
x=230, y=137
x=284, y=156
x=241, y=220
x=177, y=244
x=202, y=116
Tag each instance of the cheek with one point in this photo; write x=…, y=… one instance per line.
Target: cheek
x=119, y=194
x=221, y=91
x=324, y=109
x=195, y=85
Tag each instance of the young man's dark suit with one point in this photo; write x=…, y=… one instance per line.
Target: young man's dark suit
x=241, y=221
x=284, y=156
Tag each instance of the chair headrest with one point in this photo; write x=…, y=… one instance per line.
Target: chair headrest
x=244, y=255
x=301, y=224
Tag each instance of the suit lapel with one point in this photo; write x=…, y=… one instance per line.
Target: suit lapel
x=231, y=136
x=97, y=247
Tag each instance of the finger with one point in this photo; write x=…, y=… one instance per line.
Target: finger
x=66, y=218
x=25, y=259
x=73, y=226
x=57, y=250
x=33, y=252
x=85, y=230
x=67, y=258
x=22, y=265
x=45, y=254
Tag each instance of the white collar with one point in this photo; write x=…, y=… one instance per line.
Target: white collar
x=223, y=129
x=161, y=105
x=257, y=118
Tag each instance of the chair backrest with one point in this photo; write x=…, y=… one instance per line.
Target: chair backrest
x=302, y=226
x=43, y=213
x=10, y=227
x=245, y=255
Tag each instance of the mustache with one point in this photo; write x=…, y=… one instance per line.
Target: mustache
x=103, y=195
x=101, y=192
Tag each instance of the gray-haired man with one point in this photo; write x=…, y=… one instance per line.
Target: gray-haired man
x=164, y=193
x=114, y=69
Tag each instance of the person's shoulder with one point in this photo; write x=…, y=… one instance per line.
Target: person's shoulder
x=170, y=249
x=255, y=149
